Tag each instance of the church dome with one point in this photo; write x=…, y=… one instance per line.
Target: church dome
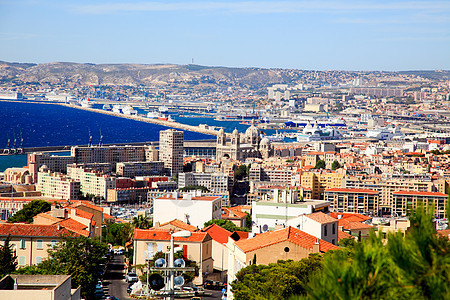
x=252, y=131
x=235, y=131
x=265, y=141
x=221, y=131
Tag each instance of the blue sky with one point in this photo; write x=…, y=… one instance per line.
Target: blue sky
x=320, y=35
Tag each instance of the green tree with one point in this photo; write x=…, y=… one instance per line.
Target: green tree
x=416, y=266
x=30, y=210
x=79, y=257
x=141, y=222
x=241, y=172
x=279, y=280
x=320, y=164
x=119, y=234
x=335, y=165
x=8, y=258
x=228, y=225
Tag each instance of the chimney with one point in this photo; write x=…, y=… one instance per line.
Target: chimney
x=316, y=247
x=156, y=225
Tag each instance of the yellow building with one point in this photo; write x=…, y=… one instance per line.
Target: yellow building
x=318, y=182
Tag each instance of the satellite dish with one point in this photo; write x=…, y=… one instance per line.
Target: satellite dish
x=156, y=281
x=178, y=281
x=265, y=228
x=160, y=263
x=179, y=263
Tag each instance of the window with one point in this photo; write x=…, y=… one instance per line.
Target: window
x=21, y=260
x=22, y=244
x=39, y=244
x=38, y=260
x=333, y=242
x=325, y=230
x=333, y=229
x=53, y=243
x=160, y=247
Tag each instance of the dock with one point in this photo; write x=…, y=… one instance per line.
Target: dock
x=171, y=124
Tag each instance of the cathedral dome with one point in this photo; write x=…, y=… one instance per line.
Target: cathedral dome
x=265, y=141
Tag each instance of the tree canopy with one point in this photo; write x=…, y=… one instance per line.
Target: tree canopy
x=30, y=210
x=227, y=224
x=241, y=172
x=8, y=258
x=141, y=222
x=335, y=165
x=119, y=234
x=320, y=164
x=79, y=257
x=279, y=280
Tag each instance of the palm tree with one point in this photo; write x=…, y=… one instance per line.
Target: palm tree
x=141, y=222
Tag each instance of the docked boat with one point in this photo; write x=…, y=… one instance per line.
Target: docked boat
x=86, y=103
x=384, y=133
x=107, y=107
x=117, y=109
x=315, y=133
x=302, y=122
x=129, y=111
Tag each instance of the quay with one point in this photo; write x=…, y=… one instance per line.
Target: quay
x=144, y=119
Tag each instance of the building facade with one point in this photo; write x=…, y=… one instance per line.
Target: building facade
x=171, y=148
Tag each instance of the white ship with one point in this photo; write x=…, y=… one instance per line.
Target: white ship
x=384, y=133
x=153, y=115
x=63, y=97
x=117, y=109
x=8, y=95
x=129, y=111
x=315, y=133
x=86, y=103
x=107, y=107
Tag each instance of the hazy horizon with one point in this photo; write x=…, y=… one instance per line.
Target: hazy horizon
x=399, y=35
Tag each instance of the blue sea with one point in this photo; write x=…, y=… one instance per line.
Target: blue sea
x=55, y=125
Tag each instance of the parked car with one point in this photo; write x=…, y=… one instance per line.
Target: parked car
x=131, y=277
x=199, y=291
x=213, y=285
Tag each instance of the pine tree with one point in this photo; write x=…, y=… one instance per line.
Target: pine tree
x=8, y=258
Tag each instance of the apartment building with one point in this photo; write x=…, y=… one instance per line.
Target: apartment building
x=56, y=185
x=214, y=182
x=105, y=154
x=171, y=148
x=142, y=168
x=318, y=182
x=405, y=201
x=92, y=182
x=361, y=201
x=55, y=163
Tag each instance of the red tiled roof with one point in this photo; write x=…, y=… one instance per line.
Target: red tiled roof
x=164, y=235
x=343, y=235
x=291, y=234
x=88, y=204
x=75, y=226
x=34, y=230
x=181, y=225
x=343, y=190
x=231, y=213
x=350, y=216
x=414, y=193
x=321, y=218
x=241, y=234
x=217, y=233
x=107, y=217
x=353, y=225
x=84, y=214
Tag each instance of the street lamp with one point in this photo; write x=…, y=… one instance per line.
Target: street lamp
x=182, y=234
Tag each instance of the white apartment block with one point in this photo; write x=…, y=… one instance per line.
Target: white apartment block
x=214, y=182
x=92, y=182
x=192, y=209
x=57, y=185
x=141, y=168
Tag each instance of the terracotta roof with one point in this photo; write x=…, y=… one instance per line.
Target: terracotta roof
x=75, y=226
x=353, y=225
x=180, y=224
x=88, y=204
x=34, y=230
x=321, y=218
x=217, y=233
x=107, y=217
x=164, y=235
x=291, y=234
x=240, y=234
x=444, y=233
x=350, y=216
x=46, y=215
x=343, y=235
x=342, y=190
x=433, y=194
x=84, y=214
x=230, y=213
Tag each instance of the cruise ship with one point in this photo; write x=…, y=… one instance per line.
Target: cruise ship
x=129, y=111
x=9, y=95
x=384, y=133
x=315, y=133
x=86, y=103
x=320, y=122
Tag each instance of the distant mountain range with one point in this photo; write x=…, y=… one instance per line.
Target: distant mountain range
x=64, y=73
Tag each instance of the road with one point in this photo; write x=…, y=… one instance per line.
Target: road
x=114, y=283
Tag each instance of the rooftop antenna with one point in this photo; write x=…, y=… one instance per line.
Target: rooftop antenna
x=192, y=60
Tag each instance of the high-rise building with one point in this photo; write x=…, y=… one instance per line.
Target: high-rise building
x=171, y=148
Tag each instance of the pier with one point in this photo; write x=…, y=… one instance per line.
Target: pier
x=144, y=119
